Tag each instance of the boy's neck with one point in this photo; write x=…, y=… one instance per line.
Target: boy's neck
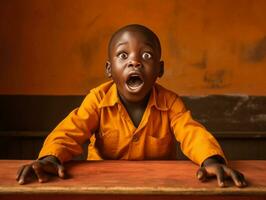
x=135, y=105
x=135, y=110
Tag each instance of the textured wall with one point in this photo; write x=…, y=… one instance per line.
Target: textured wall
x=59, y=46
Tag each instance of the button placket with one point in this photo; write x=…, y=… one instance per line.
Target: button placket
x=124, y=114
x=135, y=138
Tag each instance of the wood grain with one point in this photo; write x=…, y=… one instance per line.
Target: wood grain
x=129, y=178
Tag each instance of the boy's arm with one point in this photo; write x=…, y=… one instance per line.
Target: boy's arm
x=200, y=146
x=66, y=140
x=195, y=141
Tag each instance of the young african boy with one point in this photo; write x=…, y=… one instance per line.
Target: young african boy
x=132, y=117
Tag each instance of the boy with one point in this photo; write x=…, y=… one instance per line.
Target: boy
x=131, y=117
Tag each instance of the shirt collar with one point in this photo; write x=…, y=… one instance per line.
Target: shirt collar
x=111, y=97
x=157, y=100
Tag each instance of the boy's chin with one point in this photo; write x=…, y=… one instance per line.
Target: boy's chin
x=135, y=97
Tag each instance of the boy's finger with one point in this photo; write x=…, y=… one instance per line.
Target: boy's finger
x=244, y=182
x=54, y=168
x=202, y=174
x=24, y=174
x=220, y=177
x=19, y=172
x=49, y=167
x=38, y=169
x=61, y=171
x=238, y=178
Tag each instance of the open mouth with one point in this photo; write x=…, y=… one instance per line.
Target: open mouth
x=134, y=82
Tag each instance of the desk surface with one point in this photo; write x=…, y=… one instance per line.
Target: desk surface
x=133, y=177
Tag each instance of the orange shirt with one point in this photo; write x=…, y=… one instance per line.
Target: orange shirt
x=103, y=119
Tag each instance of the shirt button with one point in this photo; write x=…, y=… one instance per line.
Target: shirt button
x=135, y=138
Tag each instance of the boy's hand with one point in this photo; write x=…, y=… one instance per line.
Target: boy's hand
x=221, y=171
x=40, y=169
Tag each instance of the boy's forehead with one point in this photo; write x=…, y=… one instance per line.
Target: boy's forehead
x=138, y=34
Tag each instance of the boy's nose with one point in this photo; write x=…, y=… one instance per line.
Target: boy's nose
x=134, y=63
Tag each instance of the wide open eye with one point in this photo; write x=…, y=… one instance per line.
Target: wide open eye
x=122, y=55
x=146, y=56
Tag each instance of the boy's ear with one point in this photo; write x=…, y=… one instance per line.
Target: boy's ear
x=108, y=69
x=161, y=72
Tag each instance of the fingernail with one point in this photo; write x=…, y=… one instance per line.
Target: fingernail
x=21, y=182
x=42, y=180
x=199, y=175
x=60, y=173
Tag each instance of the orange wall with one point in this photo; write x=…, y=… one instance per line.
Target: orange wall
x=59, y=46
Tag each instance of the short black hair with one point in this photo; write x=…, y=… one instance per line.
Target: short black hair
x=136, y=27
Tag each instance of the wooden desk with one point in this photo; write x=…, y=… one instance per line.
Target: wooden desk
x=149, y=180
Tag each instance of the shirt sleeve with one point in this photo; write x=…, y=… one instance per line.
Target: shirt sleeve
x=195, y=141
x=66, y=140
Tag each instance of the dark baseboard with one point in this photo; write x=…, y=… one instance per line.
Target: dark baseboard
x=238, y=122
x=216, y=112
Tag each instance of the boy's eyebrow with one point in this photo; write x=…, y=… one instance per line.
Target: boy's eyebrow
x=150, y=44
x=120, y=43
